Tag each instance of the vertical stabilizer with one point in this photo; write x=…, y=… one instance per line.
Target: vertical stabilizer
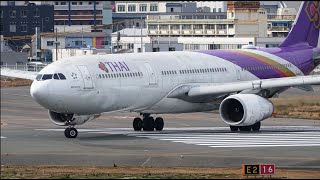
x=306, y=25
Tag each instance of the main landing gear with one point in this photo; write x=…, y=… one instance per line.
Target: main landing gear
x=71, y=132
x=148, y=123
x=254, y=127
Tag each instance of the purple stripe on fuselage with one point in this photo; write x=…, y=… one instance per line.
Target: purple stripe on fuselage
x=244, y=61
x=301, y=57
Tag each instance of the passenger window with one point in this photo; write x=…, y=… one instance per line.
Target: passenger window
x=39, y=76
x=102, y=75
x=46, y=76
x=55, y=76
x=61, y=76
x=106, y=75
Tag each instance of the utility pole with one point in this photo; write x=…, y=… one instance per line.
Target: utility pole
x=56, y=44
x=141, y=34
x=118, y=38
x=36, y=43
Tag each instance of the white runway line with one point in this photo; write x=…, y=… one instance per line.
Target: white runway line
x=217, y=139
x=2, y=137
x=233, y=140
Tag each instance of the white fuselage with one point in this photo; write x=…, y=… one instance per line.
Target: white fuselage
x=132, y=82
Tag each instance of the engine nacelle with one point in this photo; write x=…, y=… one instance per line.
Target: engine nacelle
x=62, y=119
x=245, y=109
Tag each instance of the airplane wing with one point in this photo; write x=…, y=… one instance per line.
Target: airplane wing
x=223, y=88
x=209, y=92
x=19, y=74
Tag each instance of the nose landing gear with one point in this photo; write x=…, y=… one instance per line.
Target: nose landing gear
x=71, y=132
x=148, y=123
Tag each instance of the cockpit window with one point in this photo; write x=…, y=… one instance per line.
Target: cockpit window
x=46, y=76
x=55, y=76
x=39, y=76
x=61, y=76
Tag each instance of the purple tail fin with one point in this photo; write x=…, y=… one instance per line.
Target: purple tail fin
x=306, y=25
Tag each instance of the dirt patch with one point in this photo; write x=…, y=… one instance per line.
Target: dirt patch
x=14, y=82
x=306, y=107
x=143, y=172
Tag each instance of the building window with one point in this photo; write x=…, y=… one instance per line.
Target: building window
x=56, y=3
x=11, y=3
x=1, y=14
x=153, y=7
x=89, y=2
x=152, y=26
x=74, y=3
x=164, y=27
x=63, y=3
x=36, y=12
x=121, y=8
x=172, y=49
x=47, y=19
x=131, y=8
x=12, y=13
x=156, y=50
x=24, y=13
x=12, y=28
x=23, y=28
x=175, y=27
x=78, y=43
x=80, y=3
x=213, y=9
x=186, y=26
x=50, y=43
x=219, y=10
x=197, y=26
x=143, y=7
x=1, y=27
x=104, y=43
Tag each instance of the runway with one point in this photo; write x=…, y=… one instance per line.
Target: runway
x=28, y=137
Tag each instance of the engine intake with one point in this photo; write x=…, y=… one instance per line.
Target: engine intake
x=62, y=119
x=245, y=109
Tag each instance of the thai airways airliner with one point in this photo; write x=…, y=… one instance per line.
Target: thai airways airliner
x=237, y=82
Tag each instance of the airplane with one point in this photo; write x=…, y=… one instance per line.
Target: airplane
x=236, y=82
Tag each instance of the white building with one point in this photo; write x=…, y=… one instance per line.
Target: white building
x=162, y=6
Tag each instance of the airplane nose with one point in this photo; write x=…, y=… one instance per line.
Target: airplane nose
x=39, y=92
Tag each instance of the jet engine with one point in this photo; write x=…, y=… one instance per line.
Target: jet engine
x=62, y=119
x=245, y=109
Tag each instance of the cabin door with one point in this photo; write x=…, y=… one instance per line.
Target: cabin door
x=87, y=79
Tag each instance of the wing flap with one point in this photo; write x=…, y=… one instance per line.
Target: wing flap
x=18, y=73
x=252, y=85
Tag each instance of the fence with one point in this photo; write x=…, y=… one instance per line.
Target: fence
x=25, y=67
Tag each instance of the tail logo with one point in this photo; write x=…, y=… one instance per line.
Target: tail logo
x=313, y=11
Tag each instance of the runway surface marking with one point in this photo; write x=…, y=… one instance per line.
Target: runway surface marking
x=2, y=137
x=221, y=137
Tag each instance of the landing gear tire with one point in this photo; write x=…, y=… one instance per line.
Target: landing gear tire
x=148, y=124
x=71, y=132
x=245, y=128
x=159, y=124
x=256, y=126
x=234, y=128
x=137, y=124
